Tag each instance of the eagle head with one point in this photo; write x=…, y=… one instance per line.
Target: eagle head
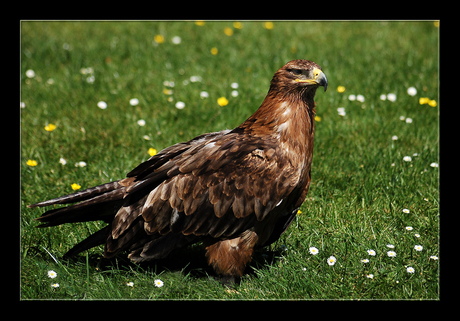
x=301, y=75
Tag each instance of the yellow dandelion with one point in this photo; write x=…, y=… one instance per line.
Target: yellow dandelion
x=228, y=31
x=423, y=100
x=199, y=23
x=341, y=89
x=299, y=212
x=152, y=151
x=214, y=51
x=436, y=23
x=75, y=186
x=317, y=118
x=222, y=101
x=159, y=39
x=268, y=25
x=50, y=127
x=432, y=103
x=32, y=162
x=237, y=25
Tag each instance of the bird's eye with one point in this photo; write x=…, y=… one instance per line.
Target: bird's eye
x=296, y=71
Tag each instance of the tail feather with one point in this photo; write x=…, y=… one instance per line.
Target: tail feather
x=91, y=241
x=97, y=203
x=80, y=196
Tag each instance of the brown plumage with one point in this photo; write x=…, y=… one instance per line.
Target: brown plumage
x=234, y=190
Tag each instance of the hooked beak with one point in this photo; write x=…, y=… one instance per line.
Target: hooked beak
x=319, y=78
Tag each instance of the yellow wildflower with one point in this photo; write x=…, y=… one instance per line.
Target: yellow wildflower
x=341, y=89
x=432, y=103
x=50, y=127
x=199, y=23
x=152, y=151
x=159, y=39
x=423, y=100
x=222, y=101
x=268, y=25
x=75, y=186
x=317, y=118
x=237, y=25
x=214, y=51
x=436, y=23
x=299, y=212
x=32, y=162
x=228, y=31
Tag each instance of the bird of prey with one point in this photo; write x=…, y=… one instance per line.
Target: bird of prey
x=234, y=190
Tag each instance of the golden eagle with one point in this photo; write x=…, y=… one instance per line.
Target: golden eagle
x=234, y=190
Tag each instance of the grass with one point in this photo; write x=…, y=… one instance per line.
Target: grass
x=360, y=182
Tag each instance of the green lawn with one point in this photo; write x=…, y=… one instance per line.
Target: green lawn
x=363, y=193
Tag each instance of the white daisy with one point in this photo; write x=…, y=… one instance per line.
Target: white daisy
x=52, y=274
x=313, y=250
x=55, y=285
x=434, y=165
x=412, y=91
x=204, y=94
x=383, y=97
x=180, y=105
x=391, y=97
x=141, y=122
x=352, y=97
x=370, y=276
x=341, y=111
x=407, y=158
x=102, y=105
x=365, y=260
x=176, y=40
x=80, y=164
x=418, y=248
x=62, y=161
x=434, y=257
x=130, y=284
x=371, y=252
x=410, y=269
x=391, y=246
x=394, y=137
x=391, y=253
x=30, y=73
x=407, y=212
x=408, y=120
x=409, y=228
x=158, y=283
x=196, y=78
x=134, y=102
x=331, y=260
x=234, y=85
x=360, y=98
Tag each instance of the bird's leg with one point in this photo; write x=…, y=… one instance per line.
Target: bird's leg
x=229, y=257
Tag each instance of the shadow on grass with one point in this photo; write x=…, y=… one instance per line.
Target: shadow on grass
x=189, y=261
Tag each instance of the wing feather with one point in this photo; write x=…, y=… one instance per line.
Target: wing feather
x=218, y=186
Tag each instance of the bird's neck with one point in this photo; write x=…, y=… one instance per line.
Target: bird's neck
x=287, y=117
